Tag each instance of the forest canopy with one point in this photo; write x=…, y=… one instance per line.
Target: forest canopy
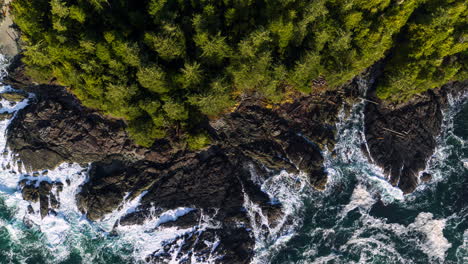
x=160, y=64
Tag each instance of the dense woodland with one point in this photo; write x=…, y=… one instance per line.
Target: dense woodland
x=160, y=64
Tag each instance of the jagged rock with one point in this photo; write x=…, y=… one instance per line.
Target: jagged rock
x=135, y=218
x=59, y=186
x=45, y=187
x=426, y=177
x=402, y=137
x=23, y=183
x=43, y=205
x=114, y=178
x=16, y=75
x=30, y=193
x=235, y=246
x=55, y=128
x=41, y=193
x=186, y=221
x=274, y=213
x=30, y=209
x=54, y=203
x=270, y=138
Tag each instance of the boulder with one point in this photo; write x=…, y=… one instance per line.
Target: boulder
x=426, y=177
x=30, y=193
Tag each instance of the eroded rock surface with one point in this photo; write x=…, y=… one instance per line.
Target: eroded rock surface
x=402, y=137
x=215, y=182
x=55, y=128
x=42, y=191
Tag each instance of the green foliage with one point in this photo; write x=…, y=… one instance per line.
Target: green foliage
x=215, y=101
x=162, y=64
x=153, y=78
x=198, y=141
x=432, y=53
x=169, y=43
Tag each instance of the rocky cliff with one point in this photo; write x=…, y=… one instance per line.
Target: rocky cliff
x=216, y=183
x=402, y=136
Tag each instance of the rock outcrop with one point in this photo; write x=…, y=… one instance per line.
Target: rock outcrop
x=402, y=137
x=42, y=191
x=215, y=182
x=55, y=128
x=254, y=139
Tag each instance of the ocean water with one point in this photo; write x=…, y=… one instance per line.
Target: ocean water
x=362, y=219
x=359, y=218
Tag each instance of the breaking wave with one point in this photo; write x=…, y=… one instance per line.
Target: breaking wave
x=359, y=218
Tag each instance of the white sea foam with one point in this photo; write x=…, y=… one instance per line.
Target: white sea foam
x=54, y=228
x=435, y=244
x=350, y=155
x=374, y=241
x=462, y=251
x=69, y=228
x=436, y=165
x=465, y=163
x=288, y=189
x=361, y=199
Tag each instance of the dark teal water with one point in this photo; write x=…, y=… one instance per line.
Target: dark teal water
x=429, y=226
x=360, y=218
x=345, y=224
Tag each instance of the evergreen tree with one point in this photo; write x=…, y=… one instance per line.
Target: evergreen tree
x=161, y=64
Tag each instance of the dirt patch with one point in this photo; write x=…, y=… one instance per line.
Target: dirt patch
x=8, y=36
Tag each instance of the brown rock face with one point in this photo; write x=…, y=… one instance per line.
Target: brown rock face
x=55, y=128
x=402, y=137
x=41, y=192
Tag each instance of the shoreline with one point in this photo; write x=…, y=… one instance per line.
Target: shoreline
x=214, y=182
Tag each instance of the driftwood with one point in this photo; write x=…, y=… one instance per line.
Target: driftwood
x=394, y=132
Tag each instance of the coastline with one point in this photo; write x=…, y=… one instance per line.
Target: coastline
x=54, y=128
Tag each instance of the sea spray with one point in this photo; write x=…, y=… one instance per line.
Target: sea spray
x=65, y=234
x=349, y=223
x=289, y=190
x=436, y=164
x=342, y=224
